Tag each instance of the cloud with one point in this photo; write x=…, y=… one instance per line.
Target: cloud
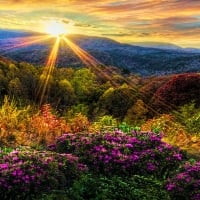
x=66, y=21
x=124, y=20
x=117, y=34
x=82, y=25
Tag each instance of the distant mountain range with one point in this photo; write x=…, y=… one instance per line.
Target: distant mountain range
x=168, y=46
x=141, y=58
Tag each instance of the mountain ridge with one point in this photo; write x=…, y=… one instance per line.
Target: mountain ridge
x=136, y=59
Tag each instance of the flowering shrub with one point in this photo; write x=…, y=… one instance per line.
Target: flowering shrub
x=24, y=173
x=186, y=184
x=121, y=154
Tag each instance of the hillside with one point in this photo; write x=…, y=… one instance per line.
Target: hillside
x=131, y=137
x=141, y=60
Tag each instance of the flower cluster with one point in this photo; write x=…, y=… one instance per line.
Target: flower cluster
x=27, y=172
x=120, y=153
x=185, y=184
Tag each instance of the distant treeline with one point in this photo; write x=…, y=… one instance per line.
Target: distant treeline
x=109, y=92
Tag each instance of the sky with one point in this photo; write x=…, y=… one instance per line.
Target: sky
x=127, y=21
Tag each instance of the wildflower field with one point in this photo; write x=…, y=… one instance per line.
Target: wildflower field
x=107, y=165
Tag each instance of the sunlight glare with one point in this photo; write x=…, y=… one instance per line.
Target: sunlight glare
x=26, y=41
x=48, y=70
x=56, y=28
x=88, y=60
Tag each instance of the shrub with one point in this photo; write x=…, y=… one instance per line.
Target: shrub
x=189, y=116
x=97, y=188
x=25, y=173
x=44, y=127
x=117, y=153
x=185, y=185
x=12, y=123
x=79, y=123
x=104, y=123
x=175, y=133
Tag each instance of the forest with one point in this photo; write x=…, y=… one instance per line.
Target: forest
x=98, y=133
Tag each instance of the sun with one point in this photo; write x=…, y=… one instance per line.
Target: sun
x=55, y=28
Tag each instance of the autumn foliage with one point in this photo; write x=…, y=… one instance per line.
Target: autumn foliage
x=178, y=91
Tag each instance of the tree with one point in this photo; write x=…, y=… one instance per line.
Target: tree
x=189, y=116
x=16, y=89
x=3, y=85
x=136, y=115
x=151, y=86
x=29, y=77
x=179, y=90
x=117, y=101
x=62, y=94
x=84, y=83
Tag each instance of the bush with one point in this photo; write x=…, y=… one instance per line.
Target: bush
x=25, y=173
x=189, y=116
x=79, y=123
x=44, y=127
x=97, y=188
x=117, y=153
x=104, y=123
x=12, y=123
x=185, y=185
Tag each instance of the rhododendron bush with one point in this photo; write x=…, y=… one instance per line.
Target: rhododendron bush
x=28, y=172
x=122, y=154
x=186, y=183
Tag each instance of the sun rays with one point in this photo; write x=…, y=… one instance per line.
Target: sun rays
x=90, y=61
x=56, y=28
x=22, y=42
x=48, y=70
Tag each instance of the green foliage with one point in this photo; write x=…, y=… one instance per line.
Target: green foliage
x=117, y=101
x=124, y=127
x=15, y=88
x=137, y=114
x=75, y=109
x=53, y=195
x=62, y=94
x=165, y=124
x=84, y=83
x=11, y=121
x=108, y=120
x=89, y=187
x=189, y=116
x=105, y=123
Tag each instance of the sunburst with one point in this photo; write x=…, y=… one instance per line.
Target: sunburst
x=55, y=28
x=59, y=31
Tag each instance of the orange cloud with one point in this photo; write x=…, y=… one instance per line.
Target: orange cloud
x=124, y=20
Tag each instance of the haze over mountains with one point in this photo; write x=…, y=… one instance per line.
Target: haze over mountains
x=141, y=58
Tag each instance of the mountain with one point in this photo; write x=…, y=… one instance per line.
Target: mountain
x=5, y=34
x=168, y=46
x=166, y=59
x=158, y=45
